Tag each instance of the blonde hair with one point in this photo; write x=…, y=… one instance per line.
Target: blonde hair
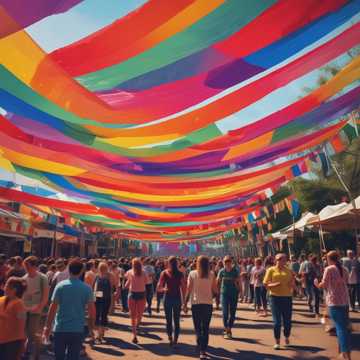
x=103, y=267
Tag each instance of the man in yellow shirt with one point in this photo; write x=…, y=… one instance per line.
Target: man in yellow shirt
x=279, y=280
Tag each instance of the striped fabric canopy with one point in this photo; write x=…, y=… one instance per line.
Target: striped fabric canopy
x=171, y=120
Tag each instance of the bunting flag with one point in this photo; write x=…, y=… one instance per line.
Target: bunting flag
x=184, y=128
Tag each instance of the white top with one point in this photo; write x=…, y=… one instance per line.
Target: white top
x=201, y=288
x=61, y=276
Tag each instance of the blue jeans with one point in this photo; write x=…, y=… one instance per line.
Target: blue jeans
x=67, y=345
x=172, y=307
x=281, y=309
x=149, y=296
x=260, y=297
x=229, y=306
x=340, y=316
x=124, y=299
x=313, y=293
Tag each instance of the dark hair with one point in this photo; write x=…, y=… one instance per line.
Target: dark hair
x=18, y=284
x=334, y=257
x=76, y=267
x=203, y=266
x=43, y=268
x=33, y=261
x=173, y=264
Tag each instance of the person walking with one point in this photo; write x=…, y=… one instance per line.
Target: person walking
x=103, y=290
x=334, y=281
x=172, y=284
x=312, y=291
x=159, y=268
x=136, y=283
x=201, y=288
x=260, y=290
x=279, y=280
x=36, y=297
x=12, y=320
x=69, y=301
x=150, y=275
x=352, y=264
x=229, y=283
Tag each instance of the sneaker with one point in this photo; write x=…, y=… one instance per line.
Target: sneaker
x=287, y=343
x=277, y=347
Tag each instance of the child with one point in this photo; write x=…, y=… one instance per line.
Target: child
x=12, y=320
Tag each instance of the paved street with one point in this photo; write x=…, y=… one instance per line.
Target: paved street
x=252, y=339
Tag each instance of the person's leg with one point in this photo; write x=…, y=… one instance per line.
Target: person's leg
x=286, y=313
x=339, y=315
x=233, y=308
x=12, y=350
x=74, y=341
x=33, y=335
x=133, y=315
x=177, y=312
x=251, y=293
x=257, y=298
x=149, y=296
x=317, y=300
x=206, y=318
x=358, y=294
x=352, y=295
x=276, y=315
x=159, y=296
x=59, y=346
x=140, y=308
x=225, y=310
x=196, y=316
x=168, y=307
x=309, y=291
x=125, y=299
x=98, y=308
x=264, y=298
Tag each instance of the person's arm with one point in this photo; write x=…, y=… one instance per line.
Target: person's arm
x=324, y=282
x=214, y=286
x=219, y=280
x=183, y=289
x=92, y=317
x=268, y=282
x=50, y=319
x=238, y=282
x=190, y=286
x=161, y=283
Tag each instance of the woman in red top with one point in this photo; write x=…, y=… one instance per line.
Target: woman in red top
x=12, y=320
x=172, y=283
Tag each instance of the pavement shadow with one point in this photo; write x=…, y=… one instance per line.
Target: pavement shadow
x=107, y=351
x=116, y=342
x=304, y=348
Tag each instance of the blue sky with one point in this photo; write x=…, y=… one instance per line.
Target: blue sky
x=81, y=20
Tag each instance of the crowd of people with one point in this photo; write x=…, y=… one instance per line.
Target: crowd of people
x=61, y=302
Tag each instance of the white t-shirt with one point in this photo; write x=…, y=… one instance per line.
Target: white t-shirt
x=201, y=288
x=150, y=273
x=61, y=276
